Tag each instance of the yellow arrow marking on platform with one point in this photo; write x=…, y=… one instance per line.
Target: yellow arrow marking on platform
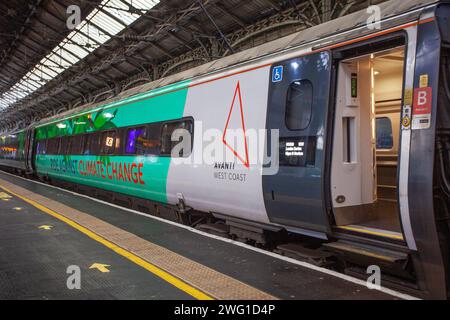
x=101, y=267
x=45, y=227
x=17, y=208
x=4, y=196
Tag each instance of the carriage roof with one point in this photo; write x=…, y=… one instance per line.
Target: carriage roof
x=351, y=26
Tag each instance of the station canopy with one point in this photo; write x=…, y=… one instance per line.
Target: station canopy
x=47, y=68
x=96, y=29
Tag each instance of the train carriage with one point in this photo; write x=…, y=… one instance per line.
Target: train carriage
x=12, y=150
x=339, y=133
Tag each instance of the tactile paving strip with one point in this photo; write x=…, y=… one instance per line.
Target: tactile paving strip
x=209, y=281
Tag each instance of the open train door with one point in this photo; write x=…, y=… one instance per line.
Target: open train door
x=364, y=178
x=29, y=150
x=298, y=104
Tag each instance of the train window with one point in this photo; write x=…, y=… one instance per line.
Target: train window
x=169, y=141
x=53, y=146
x=63, y=145
x=77, y=144
x=108, y=142
x=86, y=142
x=95, y=143
x=59, y=146
x=92, y=146
x=152, y=143
x=41, y=147
x=383, y=130
x=133, y=135
x=69, y=145
x=50, y=144
x=135, y=140
x=118, y=142
x=143, y=140
x=299, y=105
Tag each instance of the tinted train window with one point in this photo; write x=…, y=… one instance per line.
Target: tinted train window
x=384, y=133
x=95, y=143
x=132, y=136
x=41, y=147
x=53, y=146
x=77, y=144
x=69, y=145
x=143, y=140
x=108, y=142
x=167, y=143
x=86, y=145
x=118, y=142
x=92, y=145
x=299, y=105
x=150, y=143
x=63, y=145
x=58, y=146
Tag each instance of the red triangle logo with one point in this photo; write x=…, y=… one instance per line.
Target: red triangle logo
x=237, y=93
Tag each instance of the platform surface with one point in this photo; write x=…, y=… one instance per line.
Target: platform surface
x=37, y=248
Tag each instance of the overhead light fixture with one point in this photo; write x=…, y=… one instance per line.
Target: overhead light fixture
x=376, y=72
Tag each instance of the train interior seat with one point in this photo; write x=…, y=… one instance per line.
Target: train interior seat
x=366, y=142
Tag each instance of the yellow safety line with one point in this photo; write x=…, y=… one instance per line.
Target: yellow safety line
x=382, y=234
x=194, y=292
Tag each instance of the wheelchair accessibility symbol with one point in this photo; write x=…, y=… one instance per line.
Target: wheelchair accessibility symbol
x=277, y=74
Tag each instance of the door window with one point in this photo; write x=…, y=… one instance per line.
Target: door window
x=299, y=105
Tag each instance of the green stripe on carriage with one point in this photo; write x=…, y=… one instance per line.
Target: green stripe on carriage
x=161, y=104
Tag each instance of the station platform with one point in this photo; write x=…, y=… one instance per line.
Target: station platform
x=122, y=254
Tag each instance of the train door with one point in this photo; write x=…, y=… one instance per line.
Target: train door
x=366, y=138
x=297, y=108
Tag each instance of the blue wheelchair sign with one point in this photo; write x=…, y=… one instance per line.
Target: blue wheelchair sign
x=277, y=74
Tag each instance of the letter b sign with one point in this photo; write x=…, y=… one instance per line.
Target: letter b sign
x=422, y=100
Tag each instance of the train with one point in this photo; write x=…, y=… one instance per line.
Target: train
x=330, y=145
